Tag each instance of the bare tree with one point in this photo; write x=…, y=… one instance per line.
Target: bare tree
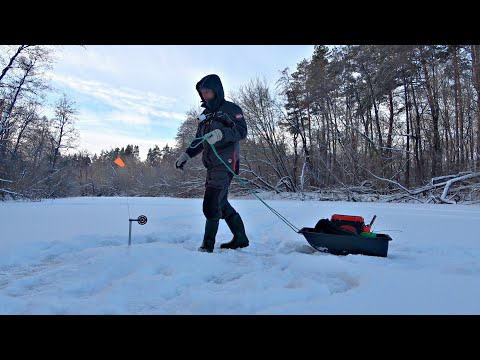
x=26, y=116
x=22, y=80
x=64, y=133
x=11, y=60
x=476, y=83
x=265, y=151
x=186, y=131
x=427, y=57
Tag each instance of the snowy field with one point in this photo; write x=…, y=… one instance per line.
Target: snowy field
x=71, y=256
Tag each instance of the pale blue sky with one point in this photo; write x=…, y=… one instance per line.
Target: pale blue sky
x=135, y=94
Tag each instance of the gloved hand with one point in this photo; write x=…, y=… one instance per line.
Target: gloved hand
x=214, y=136
x=182, y=161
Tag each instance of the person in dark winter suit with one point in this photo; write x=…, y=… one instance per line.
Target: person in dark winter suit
x=224, y=124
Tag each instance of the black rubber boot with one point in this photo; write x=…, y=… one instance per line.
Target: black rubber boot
x=211, y=228
x=237, y=228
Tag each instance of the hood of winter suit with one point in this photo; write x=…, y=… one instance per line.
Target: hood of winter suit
x=212, y=82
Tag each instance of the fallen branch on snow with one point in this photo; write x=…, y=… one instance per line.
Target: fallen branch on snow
x=449, y=183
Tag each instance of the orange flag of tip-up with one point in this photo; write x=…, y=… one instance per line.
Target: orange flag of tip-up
x=119, y=162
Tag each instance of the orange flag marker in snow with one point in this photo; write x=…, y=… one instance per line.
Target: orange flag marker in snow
x=119, y=162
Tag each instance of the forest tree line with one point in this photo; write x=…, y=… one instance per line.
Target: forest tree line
x=355, y=122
